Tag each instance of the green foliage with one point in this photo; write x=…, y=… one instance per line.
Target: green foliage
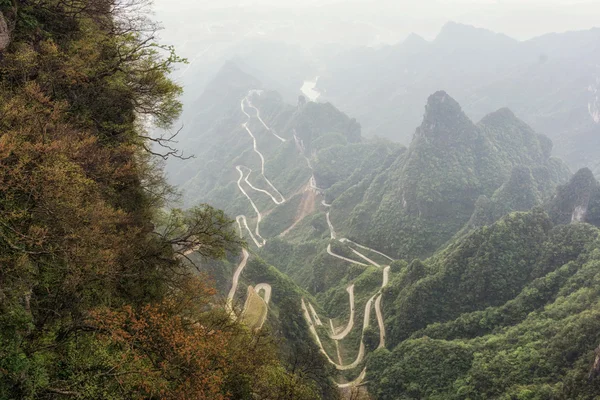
x=281, y=217
x=505, y=307
x=96, y=301
x=336, y=163
x=314, y=120
x=534, y=328
x=418, y=369
x=300, y=353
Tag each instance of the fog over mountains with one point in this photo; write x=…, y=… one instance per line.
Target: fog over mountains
x=550, y=82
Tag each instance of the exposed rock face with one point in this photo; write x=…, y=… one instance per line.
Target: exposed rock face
x=4, y=33
x=594, y=103
x=577, y=201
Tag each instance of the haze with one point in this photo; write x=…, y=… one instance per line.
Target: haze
x=367, y=22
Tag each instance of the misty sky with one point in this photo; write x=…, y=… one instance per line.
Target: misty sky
x=372, y=21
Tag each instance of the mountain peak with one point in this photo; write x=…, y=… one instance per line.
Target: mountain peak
x=441, y=104
x=500, y=118
x=508, y=128
x=585, y=176
x=578, y=200
x=467, y=35
x=444, y=118
x=231, y=70
x=232, y=77
x=441, y=97
x=414, y=41
x=455, y=30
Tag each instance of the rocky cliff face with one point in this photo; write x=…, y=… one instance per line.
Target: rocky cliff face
x=594, y=102
x=4, y=33
x=578, y=200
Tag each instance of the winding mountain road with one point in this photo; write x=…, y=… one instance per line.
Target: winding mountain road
x=266, y=289
x=259, y=92
x=331, y=253
x=357, y=382
x=337, y=344
x=242, y=221
x=366, y=322
x=236, y=278
x=278, y=199
x=344, y=240
x=258, y=240
x=246, y=179
x=331, y=229
x=255, y=148
x=300, y=146
x=373, y=302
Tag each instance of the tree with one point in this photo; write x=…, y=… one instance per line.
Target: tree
x=96, y=299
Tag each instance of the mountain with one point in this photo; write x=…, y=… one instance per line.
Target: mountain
x=392, y=253
x=509, y=309
x=449, y=164
x=551, y=82
x=578, y=200
x=219, y=140
x=405, y=202
x=519, y=193
x=431, y=193
x=309, y=262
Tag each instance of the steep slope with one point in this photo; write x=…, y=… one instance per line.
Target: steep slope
x=510, y=311
x=244, y=133
x=283, y=316
x=97, y=301
x=215, y=111
x=431, y=192
x=519, y=193
x=577, y=201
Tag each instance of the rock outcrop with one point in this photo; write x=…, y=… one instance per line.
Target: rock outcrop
x=4, y=33
x=578, y=200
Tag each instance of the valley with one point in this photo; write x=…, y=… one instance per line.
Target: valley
x=259, y=241
x=367, y=230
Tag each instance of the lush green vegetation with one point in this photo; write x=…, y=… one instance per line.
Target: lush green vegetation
x=535, y=329
x=95, y=299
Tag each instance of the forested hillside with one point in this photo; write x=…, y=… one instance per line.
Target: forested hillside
x=97, y=300
x=450, y=163
x=510, y=311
